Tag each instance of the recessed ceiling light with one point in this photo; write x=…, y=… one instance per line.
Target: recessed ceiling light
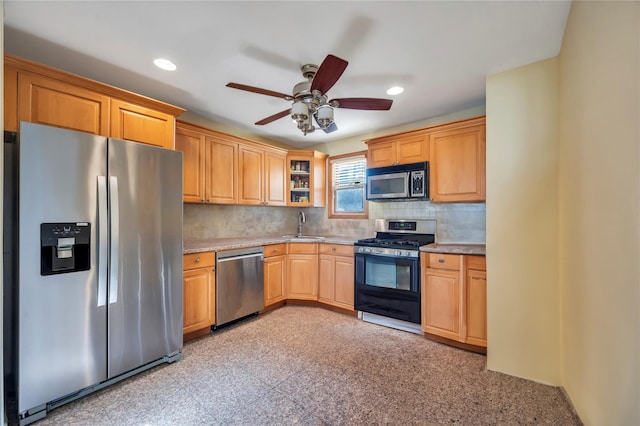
x=396, y=90
x=165, y=64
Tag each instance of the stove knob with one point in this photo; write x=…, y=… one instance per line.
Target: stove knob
x=398, y=253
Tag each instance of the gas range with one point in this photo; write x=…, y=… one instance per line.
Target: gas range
x=398, y=237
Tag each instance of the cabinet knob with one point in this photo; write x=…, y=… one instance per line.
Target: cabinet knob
x=197, y=260
x=333, y=249
x=266, y=260
x=275, y=250
x=213, y=269
x=440, y=260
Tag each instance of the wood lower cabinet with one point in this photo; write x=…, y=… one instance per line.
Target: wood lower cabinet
x=302, y=271
x=454, y=297
x=441, y=302
x=275, y=269
x=458, y=156
x=336, y=275
x=199, y=292
x=476, y=300
x=39, y=94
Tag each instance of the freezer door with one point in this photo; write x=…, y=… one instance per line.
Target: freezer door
x=61, y=322
x=145, y=283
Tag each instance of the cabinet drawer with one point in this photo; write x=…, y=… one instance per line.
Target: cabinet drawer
x=478, y=263
x=275, y=250
x=336, y=249
x=444, y=261
x=198, y=260
x=304, y=248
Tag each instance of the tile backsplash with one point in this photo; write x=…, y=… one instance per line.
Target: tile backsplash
x=456, y=222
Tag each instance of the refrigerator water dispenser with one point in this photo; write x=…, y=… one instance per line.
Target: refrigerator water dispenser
x=64, y=247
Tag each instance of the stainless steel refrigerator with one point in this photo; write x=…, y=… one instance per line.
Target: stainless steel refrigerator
x=93, y=264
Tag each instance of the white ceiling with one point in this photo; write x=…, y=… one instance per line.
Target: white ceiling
x=440, y=52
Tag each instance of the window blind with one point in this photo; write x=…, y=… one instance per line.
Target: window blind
x=348, y=172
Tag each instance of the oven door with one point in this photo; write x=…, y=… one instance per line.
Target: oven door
x=388, y=286
x=388, y=186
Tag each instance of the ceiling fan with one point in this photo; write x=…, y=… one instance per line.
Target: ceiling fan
x=310, y=97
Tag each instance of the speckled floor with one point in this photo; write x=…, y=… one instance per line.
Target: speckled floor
x=307, y=365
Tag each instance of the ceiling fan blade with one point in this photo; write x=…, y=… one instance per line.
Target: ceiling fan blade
x=273, y=117
x=363, y=103
x=259, y=91
x=329, y=72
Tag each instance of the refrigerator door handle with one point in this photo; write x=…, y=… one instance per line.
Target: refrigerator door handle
x=102, y=240
x=115, y=239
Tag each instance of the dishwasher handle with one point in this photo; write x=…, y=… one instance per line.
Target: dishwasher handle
x=246, y=256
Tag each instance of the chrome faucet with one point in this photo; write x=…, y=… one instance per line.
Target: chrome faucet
x=301, y=219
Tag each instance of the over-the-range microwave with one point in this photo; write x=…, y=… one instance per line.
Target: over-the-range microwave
x=402, y=182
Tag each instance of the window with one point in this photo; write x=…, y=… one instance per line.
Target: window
x=347, y=192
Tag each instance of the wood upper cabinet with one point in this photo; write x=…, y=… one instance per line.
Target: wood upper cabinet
x=192, y=145
x=302, y=271
x=336, y=275
x=140, y=124
x=261, y=176
x=307, y=174
x=39, y=94
x=51, y=102
x=251, y=175
x=406, y=148
x=457, y=162
x=199, y=291
x=224, y=169
x=454, y=297
x=221, y=164
x=275, y=268
x=275, y=178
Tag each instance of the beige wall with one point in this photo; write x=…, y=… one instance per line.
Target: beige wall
x=563, y=215
x=599, y=211
x=523, y=310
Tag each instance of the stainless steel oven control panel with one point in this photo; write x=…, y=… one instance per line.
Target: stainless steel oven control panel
x=379, y=251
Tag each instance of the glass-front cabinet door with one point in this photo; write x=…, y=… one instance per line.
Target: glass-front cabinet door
x=300, y=180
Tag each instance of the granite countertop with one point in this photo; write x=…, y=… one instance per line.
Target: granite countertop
x=457, y=248
x=218, y=244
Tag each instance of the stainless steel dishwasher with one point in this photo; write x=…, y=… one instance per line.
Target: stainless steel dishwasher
x=239, y=283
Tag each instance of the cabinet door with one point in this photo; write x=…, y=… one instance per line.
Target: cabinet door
x=441, y=303
x=139, y=124
x=274, y=279
x=476, y=307
x=381, y=154
x=198, y=299
x=344, y=276
x=250, y=175
x=275, y=178
x=47, y=101
x=192, y=145
x=457, y=168
x=326, y=278
x=302, y=274
x=221, y=171
x=412, y=149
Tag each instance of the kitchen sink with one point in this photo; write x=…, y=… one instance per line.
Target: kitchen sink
x=304, y=238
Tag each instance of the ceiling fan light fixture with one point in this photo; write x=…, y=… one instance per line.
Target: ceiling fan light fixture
x=395, y=90
x=164, y=64
x=299, y=111
x=324, y=116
